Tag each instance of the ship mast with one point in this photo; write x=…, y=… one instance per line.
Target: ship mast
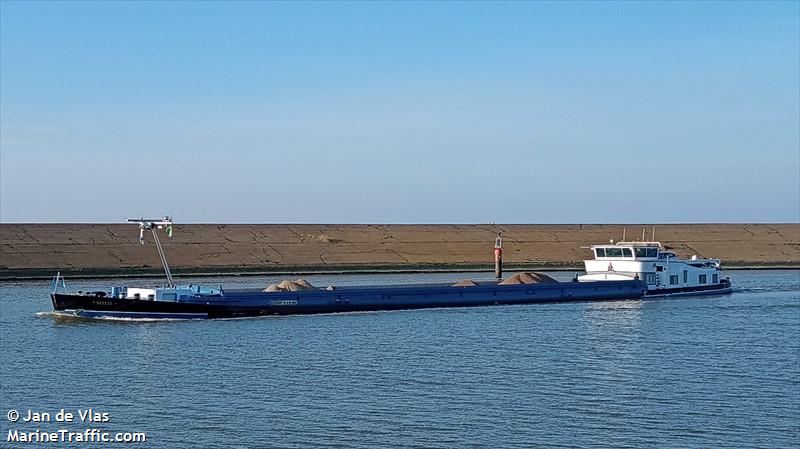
x=152, y=225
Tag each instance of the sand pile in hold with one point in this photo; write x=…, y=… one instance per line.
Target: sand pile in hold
x=465, y=283
x=290, y=286
x=528, y=278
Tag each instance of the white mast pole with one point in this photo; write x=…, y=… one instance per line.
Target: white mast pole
x=163, y=258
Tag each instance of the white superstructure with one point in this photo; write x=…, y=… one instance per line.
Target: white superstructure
x=662, y=271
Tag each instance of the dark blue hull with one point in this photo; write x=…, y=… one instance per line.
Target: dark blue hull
x=713, y=289
x=250, y=303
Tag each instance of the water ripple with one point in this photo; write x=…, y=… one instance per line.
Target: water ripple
x=695, y=372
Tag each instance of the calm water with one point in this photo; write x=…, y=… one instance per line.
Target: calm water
x=703, y=372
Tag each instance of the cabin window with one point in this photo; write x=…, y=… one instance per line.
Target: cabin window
x=601, y=252
x=685, y=276
x=646, y=252
x=715, y=278
x=626, y=252
x=650, y=278
x=613, y=252
x=659, y=268
x=702, y=278
x=673, y=279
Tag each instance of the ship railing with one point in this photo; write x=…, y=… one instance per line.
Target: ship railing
x=633, y=274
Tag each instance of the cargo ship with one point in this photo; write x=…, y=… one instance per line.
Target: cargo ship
x=299, y=297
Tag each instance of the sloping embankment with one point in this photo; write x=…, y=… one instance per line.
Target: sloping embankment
x=39, y=250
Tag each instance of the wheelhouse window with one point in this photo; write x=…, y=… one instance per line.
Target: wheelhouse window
x=703, y=278
x=645, y=252
x=614, y=251
x=673, y=279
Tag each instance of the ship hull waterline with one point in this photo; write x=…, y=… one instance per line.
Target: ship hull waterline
x=254, y=303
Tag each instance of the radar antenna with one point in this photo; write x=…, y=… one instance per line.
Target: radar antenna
x=153, y=224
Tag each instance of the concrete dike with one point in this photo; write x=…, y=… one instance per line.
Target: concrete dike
x=30, y=251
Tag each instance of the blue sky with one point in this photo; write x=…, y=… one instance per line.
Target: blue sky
x=409, y=112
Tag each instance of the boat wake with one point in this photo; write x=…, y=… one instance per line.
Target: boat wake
x=770, y=289
x=65, y=316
